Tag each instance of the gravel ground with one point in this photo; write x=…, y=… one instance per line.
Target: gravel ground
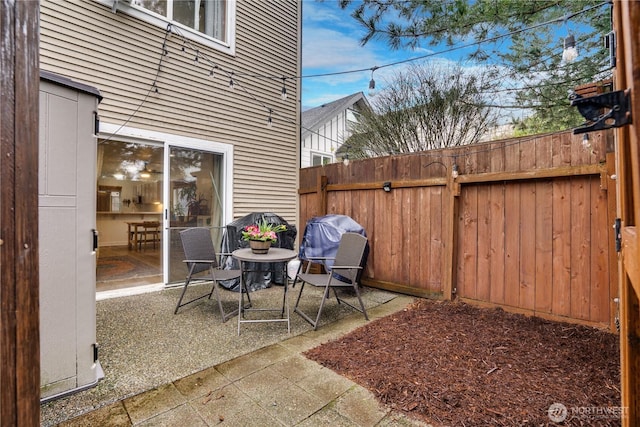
x=144, y=345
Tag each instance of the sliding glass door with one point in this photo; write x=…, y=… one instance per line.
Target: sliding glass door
x=129, y=203
x=195, y=199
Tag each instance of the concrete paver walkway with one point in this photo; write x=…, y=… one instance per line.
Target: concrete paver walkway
x=273, y=386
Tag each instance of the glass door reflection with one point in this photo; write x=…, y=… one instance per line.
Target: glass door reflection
x=130, y=178
x=194, y=200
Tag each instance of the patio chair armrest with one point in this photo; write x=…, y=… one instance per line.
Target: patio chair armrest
x=319, y=258
x=345, y=267
x=198, y=261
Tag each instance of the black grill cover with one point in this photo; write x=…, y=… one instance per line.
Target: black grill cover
x=260, y=275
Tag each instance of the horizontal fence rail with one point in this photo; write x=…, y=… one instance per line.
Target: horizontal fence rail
x=524, y=224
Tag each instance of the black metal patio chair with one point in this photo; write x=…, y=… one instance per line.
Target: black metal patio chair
x=203, y=266
x=344, y=273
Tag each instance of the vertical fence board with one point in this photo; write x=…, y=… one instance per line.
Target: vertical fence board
x=395, y=237
x=351, y=202
x=496, y=161
x=528, y=229
x=561, y=152
x=544, y=152
x=599, y=290
x=536, y=244
x=497, y=262
x=512, y=229
x=561, y=290
x=19, y=297
x=512, y=246
x=405, y=256
x=382, y=222
x=418, y=235
x=483, y=275
x=544, y=228
x=580, y=248
x=362, y=214
x=544, y=247
x=614, y=284
x=436, y=223
x=582, y=152
x=527, y=245
x=468, y=248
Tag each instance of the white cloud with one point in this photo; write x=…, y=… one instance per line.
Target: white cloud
x=329, y=49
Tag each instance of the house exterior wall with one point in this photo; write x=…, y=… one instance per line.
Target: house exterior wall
x=121, y=55
x=325, y=139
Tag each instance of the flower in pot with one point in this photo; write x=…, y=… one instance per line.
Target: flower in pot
x=261, y=235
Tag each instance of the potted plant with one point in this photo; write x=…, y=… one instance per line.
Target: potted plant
x=261, y=235
x=178, y=211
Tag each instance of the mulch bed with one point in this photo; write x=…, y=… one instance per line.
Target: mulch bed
x=450, y=363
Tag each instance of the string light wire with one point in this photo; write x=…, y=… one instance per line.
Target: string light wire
x=151, y=88
x=233, y=83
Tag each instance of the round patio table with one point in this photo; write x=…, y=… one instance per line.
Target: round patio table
x=246, y=255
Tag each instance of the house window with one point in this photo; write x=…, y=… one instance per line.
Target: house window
x=205, y=16
x=320, y=159
x=206, y=21
x=353, y=116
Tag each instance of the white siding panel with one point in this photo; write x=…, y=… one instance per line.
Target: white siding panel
x=120, y=56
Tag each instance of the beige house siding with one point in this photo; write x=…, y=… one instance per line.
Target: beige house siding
x=119, y=55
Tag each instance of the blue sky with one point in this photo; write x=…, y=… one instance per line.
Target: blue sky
x=331, y=43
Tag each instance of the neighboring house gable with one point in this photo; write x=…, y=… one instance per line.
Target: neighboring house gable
x=325, y=128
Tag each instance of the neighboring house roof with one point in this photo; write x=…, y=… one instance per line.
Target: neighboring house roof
x=314, y=117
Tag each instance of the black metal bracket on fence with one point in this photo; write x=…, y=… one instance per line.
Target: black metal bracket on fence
x=590, y=108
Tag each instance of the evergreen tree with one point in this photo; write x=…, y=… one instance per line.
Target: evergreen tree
x=522, y=41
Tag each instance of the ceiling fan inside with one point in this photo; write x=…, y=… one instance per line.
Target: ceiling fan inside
x=146, y=172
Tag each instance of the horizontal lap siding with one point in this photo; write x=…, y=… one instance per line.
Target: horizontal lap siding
x=119, y=55
x=539, y=245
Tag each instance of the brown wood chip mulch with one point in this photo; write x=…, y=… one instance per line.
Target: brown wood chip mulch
x=450, y=363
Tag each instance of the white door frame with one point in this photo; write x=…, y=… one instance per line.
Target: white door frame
x=111, y=131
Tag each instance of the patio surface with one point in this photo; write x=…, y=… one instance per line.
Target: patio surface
x=191, y=369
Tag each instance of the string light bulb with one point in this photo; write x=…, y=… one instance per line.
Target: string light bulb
x=269, y=120
x=232, y=84
x=345, y=159
x=212, y=73
x=372, y=82
x=570, y=52
x=197, y=55
x=283, y=94
x=454, y=171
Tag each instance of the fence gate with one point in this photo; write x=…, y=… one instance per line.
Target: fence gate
x=626, y=20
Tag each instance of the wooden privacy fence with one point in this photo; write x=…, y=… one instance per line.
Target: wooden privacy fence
x=525, y=224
